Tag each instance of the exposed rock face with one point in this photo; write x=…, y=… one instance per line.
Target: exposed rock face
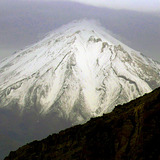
x=130, y=132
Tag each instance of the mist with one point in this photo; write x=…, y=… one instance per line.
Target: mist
x=24, y=23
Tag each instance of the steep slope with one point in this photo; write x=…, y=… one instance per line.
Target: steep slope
x=130, y=132
x=77, y=72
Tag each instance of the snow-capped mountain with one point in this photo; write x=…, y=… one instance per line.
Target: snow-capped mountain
x=77, y=72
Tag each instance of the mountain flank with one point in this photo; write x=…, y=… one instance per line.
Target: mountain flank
x=76, y=72
x=130, y=132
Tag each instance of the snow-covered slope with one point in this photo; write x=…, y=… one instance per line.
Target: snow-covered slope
x=77, y=72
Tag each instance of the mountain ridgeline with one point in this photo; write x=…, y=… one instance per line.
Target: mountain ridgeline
x=131, y=132
x=75, y=73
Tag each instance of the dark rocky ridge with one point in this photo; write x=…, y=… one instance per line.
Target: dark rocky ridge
x=130, y=132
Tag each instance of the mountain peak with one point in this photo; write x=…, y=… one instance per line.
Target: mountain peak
x=87, y=27
x=78, y=71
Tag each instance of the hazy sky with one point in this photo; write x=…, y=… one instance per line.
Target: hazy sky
x=24, y=22
x=140, y=5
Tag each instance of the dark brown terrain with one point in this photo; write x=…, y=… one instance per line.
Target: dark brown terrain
x=130, y=132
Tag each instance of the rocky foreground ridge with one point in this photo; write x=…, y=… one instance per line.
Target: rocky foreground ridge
x=131, y=132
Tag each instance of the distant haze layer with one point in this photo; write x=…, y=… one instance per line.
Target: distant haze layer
x=150, y=6
x=23, y=23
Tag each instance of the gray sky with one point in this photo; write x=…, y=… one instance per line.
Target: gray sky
x=24, y=22
x=139, y=5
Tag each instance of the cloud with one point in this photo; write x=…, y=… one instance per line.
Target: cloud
x=137, y=5
x=140, y=5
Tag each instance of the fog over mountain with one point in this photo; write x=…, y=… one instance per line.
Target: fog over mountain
x=22, y=23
